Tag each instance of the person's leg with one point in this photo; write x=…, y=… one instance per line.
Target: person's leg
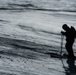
x=69, y=49
x=71, y=53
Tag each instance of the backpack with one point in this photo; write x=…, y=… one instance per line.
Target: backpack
x=73, y=31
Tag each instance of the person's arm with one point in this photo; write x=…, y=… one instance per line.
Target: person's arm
x=63, y=33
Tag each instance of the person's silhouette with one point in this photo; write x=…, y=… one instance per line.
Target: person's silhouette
x=69, y=33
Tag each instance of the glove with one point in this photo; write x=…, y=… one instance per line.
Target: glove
x=62, y=32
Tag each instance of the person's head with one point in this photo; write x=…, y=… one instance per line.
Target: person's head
x=65, y=26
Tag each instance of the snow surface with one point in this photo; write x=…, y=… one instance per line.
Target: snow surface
x=29, y=29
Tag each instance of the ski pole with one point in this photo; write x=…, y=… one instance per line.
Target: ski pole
x=61, y=43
